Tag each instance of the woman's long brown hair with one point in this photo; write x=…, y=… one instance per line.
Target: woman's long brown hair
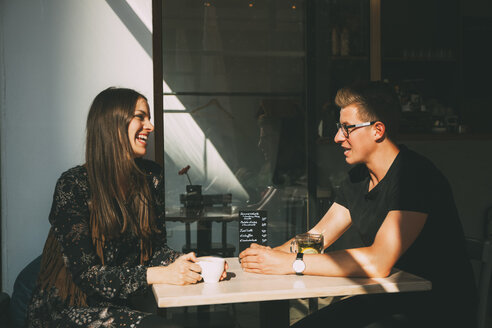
x=120, y=197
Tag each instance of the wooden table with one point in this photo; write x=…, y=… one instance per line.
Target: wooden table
x=274, y=291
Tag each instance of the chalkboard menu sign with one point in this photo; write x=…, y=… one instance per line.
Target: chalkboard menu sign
x=252, y=228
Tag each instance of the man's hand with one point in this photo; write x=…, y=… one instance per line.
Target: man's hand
x=258, y=246
x=263, y=259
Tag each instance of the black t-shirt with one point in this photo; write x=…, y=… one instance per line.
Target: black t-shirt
x=413, y=183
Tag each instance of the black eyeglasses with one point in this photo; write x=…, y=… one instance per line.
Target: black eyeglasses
x=345, y=128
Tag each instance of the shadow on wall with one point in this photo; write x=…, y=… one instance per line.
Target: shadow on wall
x=133, y=23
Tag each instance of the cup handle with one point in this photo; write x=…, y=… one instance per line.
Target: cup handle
x=293, y=248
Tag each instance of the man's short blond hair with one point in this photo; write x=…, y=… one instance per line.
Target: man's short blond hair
x=375, y=101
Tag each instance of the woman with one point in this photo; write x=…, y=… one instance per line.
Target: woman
x=107, y=241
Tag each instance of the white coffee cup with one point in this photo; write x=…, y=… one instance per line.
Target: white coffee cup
x=212, y=268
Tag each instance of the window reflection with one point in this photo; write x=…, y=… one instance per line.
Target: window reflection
x=282, y=145
x=233, y=108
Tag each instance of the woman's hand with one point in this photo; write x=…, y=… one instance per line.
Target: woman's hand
x=183, y=271
x=263, y=259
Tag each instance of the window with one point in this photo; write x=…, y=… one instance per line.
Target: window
x=234, y=105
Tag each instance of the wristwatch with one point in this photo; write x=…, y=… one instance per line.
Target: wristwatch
x=299, y=266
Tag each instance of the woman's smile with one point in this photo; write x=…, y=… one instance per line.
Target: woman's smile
x=140, y=127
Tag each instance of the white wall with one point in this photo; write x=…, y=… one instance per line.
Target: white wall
x=55, y=56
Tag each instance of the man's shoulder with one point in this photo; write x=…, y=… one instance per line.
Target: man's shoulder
x=411, y=161
x=418, y=172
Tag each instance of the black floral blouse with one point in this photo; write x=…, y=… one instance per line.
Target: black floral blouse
x=108, y=287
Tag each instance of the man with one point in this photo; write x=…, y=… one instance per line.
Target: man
x=403, y=208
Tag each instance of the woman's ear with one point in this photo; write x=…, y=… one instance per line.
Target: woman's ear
x=379, y=131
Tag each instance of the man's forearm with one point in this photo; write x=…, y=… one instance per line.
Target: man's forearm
x=357, y=262
x=284, y=247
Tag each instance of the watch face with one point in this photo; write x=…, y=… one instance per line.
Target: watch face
x=298, y=266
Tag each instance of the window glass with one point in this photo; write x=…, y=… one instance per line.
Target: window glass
x=233, y=112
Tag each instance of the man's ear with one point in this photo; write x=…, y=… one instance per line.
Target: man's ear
x=379, y=130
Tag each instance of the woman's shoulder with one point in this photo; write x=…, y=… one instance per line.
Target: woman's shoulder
x=76, y=171
x=76, y=175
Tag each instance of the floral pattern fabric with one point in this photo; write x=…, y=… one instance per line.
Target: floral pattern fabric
x=108, y=287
